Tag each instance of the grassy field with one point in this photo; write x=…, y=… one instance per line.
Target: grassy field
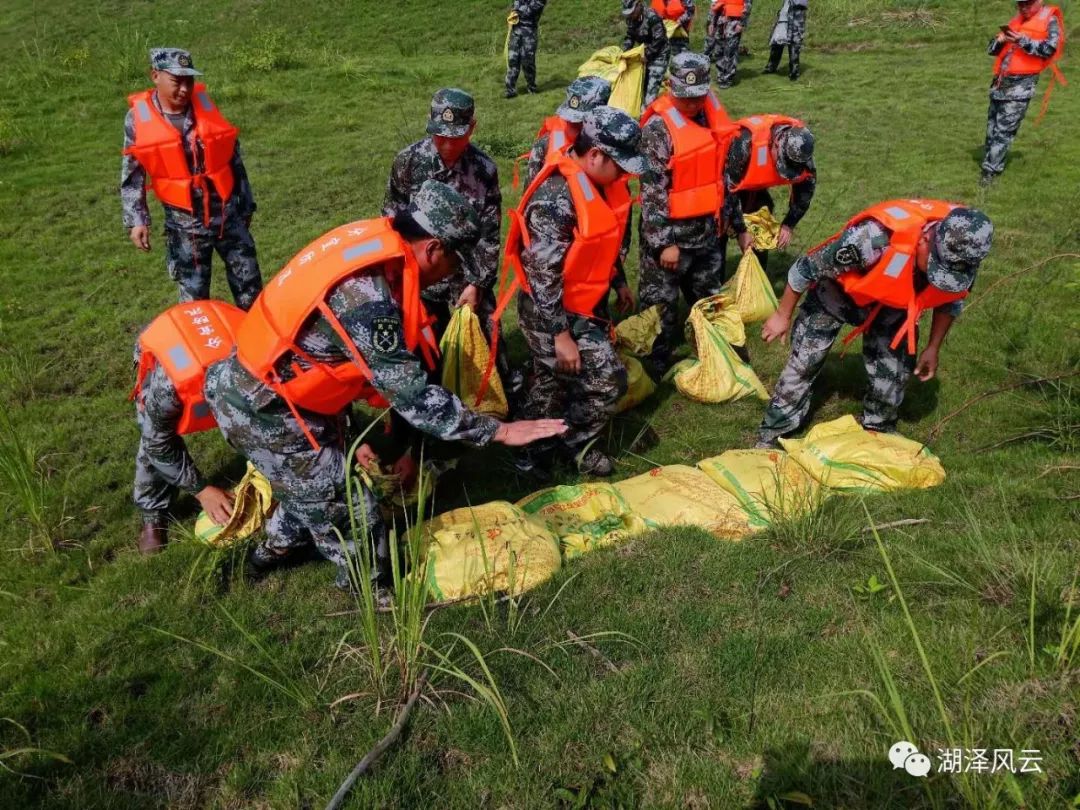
x=766, y=673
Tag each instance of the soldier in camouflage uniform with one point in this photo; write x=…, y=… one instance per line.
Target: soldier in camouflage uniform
x=163, y=464
x=643, y=25
x=680, y=38
x=191, y=238
x=676, y=254
x=521, y=48
x=440, y=227
x=948, y=258
x=1010, y=95
x=575, y=370
x=792, y=149
x=584, y=93
x=789, y=30
x=722, y=38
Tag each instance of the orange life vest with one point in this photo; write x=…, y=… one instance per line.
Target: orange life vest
x=559, y=140
x=185, y=340
x=761, y=172
x=669, y=9
x=891, y=282
x=729, y=8
x=159, y=149
x=301, y=290
x=1022, y=63
x=697, y=162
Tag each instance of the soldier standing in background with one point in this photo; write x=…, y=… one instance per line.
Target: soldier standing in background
x=678, y=15
x=789, y=30
x=524, y=23
x=190, y=156
x=726, y=24
x=644, y=26
x=559, y=131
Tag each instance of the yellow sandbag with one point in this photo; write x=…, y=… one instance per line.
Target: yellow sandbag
x=465, y=354
x=492, y=547
x=685, y=496
x=637, y=333
x=639, y=385
x=584, y=517
x=717, y=374
x=767, y=483
x=764, y=228
x=719, y=310
x=625, y=70
x=674, y=30
x=843, y=456
x=751, y=290
x=252, y=502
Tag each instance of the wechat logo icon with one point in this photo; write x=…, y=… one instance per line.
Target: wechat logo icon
x=905, y=755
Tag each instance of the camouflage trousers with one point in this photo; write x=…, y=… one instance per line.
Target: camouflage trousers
x=824, y=312
x=188, y=254
x=585, y=400
x=678, y=45
x=700, y=274
x=723, y=48
x=308, y=484
x=791, y=34
x=654, y=81
x=1002, y=123
x=521, y=55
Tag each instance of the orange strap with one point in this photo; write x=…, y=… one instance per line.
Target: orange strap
x=1056, y=77
x=515, y=182
x=861, y=329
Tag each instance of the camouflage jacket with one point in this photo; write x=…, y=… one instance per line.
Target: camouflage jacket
x=529, y=11
x=159, y=412
x=657, y=228
x=648, y=29
x=738, y=160
x=537, y=156
x=367, y=310
x=858, y=248
x=476, y=178
x=551, y=221
x=1019, y=88
x=133, y=182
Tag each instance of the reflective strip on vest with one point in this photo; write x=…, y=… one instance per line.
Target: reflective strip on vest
x=898, y=213
x=200, y=410
x=897, y=264
x=586, y=186
x=143, y=109
x=363, y=249
x=204, y=101
x=756, y=120
x=676, y=118
x=763, y=156
x=559, y=139
x=714, y=102
x=179, y=357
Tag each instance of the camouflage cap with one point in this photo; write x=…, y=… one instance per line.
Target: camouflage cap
x=446, y=215
x=795, y=151
x=452, y=112
x=173, y=60
x=630, y=7
x=584, y=93
x=617, y=135
x=961, y=242
x=689, y=75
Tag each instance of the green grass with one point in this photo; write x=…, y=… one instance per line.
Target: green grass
x=737, y=691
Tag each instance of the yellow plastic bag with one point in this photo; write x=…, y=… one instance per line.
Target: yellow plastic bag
x=639, y=385
x=678, y=495
x=252, y=504
x=466, y=355
x=674, y=30
x=584, y=517
x=764, y=228
x=717, y=374
x=750, y=288
x=843, y=456
x=637, y=333
x=767, y=483
x=719, y=310
x=492, y=547
x=625, y=70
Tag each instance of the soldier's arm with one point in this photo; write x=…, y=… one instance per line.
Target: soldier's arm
x=656, y=148
x=628, y=40
x=735, y=167
x=995, y=46
x=165, y=449
x=400, y=377
x=483, y=270
x=1042, y=48
x=857, y=248
x=799, y=201
x=550, y=221
x=661, y=42
x=245, y=197
x=688, y=14
x=536, y=159
x=132, y=182
x=396, y=198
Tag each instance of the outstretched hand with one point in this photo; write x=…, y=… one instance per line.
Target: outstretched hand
x=217, y=503
x=518, y=434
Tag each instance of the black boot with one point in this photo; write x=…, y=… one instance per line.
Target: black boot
x=775, y=53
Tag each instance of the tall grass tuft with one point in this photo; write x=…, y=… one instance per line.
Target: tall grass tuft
x=11, y=755
x=25, y=480
x=808, y=519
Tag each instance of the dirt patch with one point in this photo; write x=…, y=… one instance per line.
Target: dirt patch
x=136, y=775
